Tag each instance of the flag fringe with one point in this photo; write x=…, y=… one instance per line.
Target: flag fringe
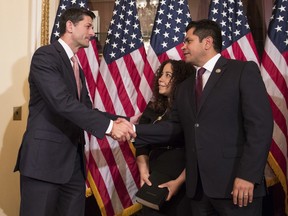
x=131, y=210
x=88, y=192
x=281, y=177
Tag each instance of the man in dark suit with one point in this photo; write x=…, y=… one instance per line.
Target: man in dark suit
x=51, y=157
x=227, y=134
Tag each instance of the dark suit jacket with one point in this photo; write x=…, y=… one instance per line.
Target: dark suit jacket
x=229, y=136
x=56, y=118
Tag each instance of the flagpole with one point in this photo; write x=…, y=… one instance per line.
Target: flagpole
x=45, y=23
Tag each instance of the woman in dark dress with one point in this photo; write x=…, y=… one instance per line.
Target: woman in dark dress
x=165, y=157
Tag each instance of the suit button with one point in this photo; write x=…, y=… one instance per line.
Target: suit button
x=196, y=125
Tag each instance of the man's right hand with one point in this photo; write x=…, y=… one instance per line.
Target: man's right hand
x=122, y=130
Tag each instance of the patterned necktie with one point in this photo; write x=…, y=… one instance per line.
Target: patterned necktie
x=199, y=85
x=76, y=74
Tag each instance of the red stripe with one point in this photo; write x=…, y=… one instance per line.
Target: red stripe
x=148, y=75
x=226, y=54
x=279, y=118
x=141, y=103
x=94, y=46
x=179, y=50
x=131, y=162
x=285, y=56
x=134, y=78
x=86, y=68
x=104, y=95
x=250, y=39
x=163, y=57
x=237, y=51
x=113, y=167
x=121, y=90
x=148, y=72
x=99, y=182
x=276, y=76
x=279, y=157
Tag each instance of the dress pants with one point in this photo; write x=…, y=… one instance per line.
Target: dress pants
x=202, y=205
x=40, y=198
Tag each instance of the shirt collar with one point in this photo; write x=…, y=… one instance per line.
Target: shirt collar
x=209, y=65
x=67, y=49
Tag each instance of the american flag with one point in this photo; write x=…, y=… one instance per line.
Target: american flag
x=168, y=32
x=274, y=70
x=118, y=91
x=112, y=171
x=237, y=38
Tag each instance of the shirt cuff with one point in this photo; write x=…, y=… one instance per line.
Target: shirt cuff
x=109, y=129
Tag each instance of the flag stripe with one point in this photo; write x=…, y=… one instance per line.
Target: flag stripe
x=238, y=52
x=112, y=177
x=121, y=75
x=279, y=122
x=275, y=75
x=281, y=160
x=99, y=182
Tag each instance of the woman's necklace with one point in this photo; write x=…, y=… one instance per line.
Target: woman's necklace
x=159, y=118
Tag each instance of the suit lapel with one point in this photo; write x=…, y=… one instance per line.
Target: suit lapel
x=83, y=83
x=68, y=67
x=190, y=91
x=216, y=74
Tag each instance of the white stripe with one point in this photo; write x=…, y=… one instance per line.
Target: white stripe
x=277, y=58
x=110, y=86
x=173, y=54
x=274, y=92
x=281, y=142
x=139, y=63
x=105, y=173
x=128, y=85
x=247, y=49
x=230, y=52
x=123, y=168
x=145, y=90
x=92, y=61
x=153, y=59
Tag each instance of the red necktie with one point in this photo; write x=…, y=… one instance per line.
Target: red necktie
x=76, y=74
x=199, y=85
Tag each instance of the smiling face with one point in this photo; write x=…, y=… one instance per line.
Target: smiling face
x=164, y=81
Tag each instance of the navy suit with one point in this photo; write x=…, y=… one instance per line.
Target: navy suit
x=54, y=137
x=229, y=136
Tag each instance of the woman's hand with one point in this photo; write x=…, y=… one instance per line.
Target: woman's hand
x=173, y=186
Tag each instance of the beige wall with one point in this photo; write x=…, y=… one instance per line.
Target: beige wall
x=19, y=30
x=14, y=61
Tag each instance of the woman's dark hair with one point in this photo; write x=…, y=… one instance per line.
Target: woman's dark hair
x=75, y=15
x=181, y=71
x=204, y=28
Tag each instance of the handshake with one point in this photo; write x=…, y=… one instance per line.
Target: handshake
x=123, y=130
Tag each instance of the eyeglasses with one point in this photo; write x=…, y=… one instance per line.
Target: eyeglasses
x=187, y=41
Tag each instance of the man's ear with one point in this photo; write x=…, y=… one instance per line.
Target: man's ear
x=208, y=42
x=69, y=26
